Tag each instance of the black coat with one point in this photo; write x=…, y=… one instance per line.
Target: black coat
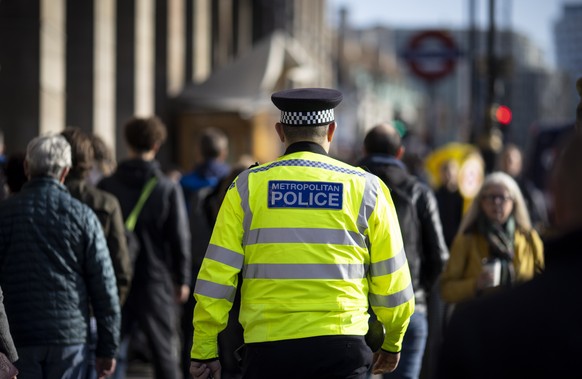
x=532, y=331
x=427, y=259
x=163, y=262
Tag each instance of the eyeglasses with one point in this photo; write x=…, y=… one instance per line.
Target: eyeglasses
x=494, y=198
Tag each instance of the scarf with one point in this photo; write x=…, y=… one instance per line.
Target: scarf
x=500, y=241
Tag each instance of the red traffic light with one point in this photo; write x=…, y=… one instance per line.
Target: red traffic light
x=503, y=114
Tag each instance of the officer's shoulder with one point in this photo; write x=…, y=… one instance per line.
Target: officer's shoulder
x=241, y=171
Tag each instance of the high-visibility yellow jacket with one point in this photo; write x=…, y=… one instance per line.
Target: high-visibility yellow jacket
x=317, y=240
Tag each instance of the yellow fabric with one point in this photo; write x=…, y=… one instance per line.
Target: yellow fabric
x=459, y=278
x=279, y=309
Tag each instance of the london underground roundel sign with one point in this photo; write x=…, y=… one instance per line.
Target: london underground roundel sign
x=431, y=54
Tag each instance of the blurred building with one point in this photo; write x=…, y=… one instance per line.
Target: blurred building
x=449, y=109
x=568, y=42
x=95, y=63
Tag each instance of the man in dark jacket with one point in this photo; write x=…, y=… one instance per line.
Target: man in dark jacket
x=511, y=162
x=54, y=267
x=534, y=330
x=161, y=279
x=424, y=244
x=107, y=209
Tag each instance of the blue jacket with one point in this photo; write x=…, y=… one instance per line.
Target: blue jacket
x=54, y=265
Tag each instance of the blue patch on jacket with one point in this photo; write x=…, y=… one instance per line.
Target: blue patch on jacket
x=297, y=194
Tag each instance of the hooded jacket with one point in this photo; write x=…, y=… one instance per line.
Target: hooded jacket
x=162, y=226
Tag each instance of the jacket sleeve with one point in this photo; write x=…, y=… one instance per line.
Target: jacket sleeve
x=390, y=287
x=102, y=288
x=117, y=245
x=434, y=248
x=178, y=231
x=218, y=278
x=456, y=283
x=6, y=343
x=538, y=250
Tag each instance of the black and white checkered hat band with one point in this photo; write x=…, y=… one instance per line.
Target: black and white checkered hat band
x=307, y=118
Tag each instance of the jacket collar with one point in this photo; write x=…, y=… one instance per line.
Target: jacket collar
x=43, y=181
x=383, y=159
x=305, y=146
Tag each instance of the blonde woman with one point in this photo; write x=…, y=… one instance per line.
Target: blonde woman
x=495, y=246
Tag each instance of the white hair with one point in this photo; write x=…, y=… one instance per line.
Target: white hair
x=498, y=178
x=48, y=155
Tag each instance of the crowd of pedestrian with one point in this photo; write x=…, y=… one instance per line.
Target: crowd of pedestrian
x=303, y=267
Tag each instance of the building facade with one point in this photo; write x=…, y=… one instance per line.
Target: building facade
x=96, y=63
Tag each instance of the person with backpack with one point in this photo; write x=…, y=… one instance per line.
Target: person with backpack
x=162, y=271
x=424, y=244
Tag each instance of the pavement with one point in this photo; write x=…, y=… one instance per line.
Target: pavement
x=139, y=370
x=142, y=370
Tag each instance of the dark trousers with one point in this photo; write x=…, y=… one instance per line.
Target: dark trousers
x=52, y=361
x=157, y=319
x=326, y=357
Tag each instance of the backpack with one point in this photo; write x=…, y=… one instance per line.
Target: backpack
x=200, y=227
x=133, y=245
x=410, y=225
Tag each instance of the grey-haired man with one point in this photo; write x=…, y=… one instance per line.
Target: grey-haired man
x=54, y=266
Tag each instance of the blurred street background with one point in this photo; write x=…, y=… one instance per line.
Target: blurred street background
x=444, y=74
x=457, y=77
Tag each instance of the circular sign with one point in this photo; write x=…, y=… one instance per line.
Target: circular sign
x=431, y=54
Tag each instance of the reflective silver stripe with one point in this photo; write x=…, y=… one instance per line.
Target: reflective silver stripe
x=394, y=300
x=388, y=266
x=368, y=204
x=304, y=271
x=242, y=185
x=305, y=235
x=215, y=290
x=226, y=256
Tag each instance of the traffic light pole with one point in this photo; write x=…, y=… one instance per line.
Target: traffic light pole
x=473, y=108
x=491, y=68
x=491, y=140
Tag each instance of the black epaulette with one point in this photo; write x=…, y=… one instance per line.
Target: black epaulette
x=254, y=165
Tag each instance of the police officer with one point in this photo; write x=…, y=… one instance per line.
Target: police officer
x=317, y=241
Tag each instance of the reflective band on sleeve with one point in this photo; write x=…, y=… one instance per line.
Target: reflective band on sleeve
x=304, y=271
x=305, y=235
x=215, y=290
x=242, y=186
x=394, y=300
x=226, y=256
x=388, y=266
x=368, y=202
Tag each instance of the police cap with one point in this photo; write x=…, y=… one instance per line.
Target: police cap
x=307, y=106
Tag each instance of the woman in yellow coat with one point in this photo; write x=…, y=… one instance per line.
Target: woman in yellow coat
x=495, y=246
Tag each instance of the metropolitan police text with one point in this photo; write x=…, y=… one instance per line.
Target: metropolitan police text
x=295, y=194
